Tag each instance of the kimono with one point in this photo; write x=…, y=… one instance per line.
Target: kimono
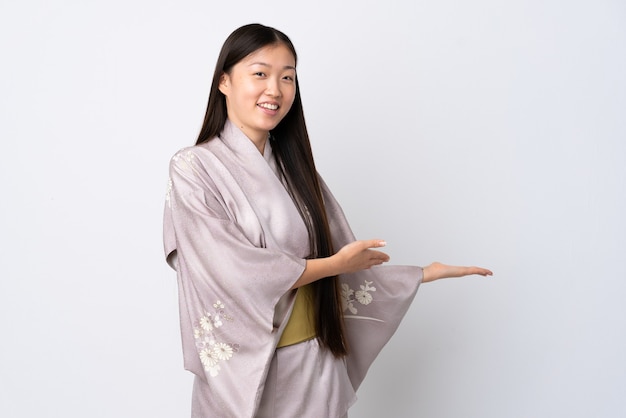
x=238, y=243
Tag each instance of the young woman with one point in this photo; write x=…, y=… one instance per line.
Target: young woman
x=281, y=313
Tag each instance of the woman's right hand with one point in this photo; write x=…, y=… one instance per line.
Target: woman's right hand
x=359, y=255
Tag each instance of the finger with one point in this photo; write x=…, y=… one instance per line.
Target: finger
x=375, y=262
x=379, y=255
x=483, y=271
x=374, y=243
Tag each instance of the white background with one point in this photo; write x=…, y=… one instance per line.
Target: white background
x=485, y=132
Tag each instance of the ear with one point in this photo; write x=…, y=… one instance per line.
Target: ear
x=224, y=85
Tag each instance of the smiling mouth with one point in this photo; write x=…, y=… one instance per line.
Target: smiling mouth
x=268, y=106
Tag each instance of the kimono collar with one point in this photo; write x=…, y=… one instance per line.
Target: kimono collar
x=238, y=142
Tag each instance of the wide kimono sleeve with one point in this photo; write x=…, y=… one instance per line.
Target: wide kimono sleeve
x=374, y=301
x=229, y=284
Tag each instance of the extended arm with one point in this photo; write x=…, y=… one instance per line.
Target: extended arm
x=436, y=271
x=359, y=255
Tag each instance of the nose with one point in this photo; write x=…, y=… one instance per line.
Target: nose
x=273, y=87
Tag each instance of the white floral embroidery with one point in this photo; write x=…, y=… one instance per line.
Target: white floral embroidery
x=168, y=193
x=363, y=297
x=346, y=298
x=217, y=321
x=206, y=323
x=198, y=333
x=214, y=370
x=210, y=350
x=222, y=351
x=349, y=296
x=206, y=356
x=186, y=156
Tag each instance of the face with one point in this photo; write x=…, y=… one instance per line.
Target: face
x=260, y=90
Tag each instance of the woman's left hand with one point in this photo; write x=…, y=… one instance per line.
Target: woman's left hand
x=436, y=271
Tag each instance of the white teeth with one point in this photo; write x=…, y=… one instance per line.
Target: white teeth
x=268, y=106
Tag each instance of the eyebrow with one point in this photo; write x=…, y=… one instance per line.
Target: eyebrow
x=286, y=67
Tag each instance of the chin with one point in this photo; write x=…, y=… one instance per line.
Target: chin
x=269, y=127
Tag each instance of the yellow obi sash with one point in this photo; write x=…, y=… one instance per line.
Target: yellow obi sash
x=301, y=324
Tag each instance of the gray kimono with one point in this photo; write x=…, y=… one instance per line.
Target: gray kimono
x=238, y=243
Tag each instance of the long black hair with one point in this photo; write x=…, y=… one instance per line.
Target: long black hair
x=292, y=149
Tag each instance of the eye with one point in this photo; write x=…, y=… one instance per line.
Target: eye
x=259, y=74
x=288, y=78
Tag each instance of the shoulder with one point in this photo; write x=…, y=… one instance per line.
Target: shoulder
x=191, y=154
x=192, y=172
x=193, y=159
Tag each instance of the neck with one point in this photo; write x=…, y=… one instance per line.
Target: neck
x=259, y=139
x=259, y=143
